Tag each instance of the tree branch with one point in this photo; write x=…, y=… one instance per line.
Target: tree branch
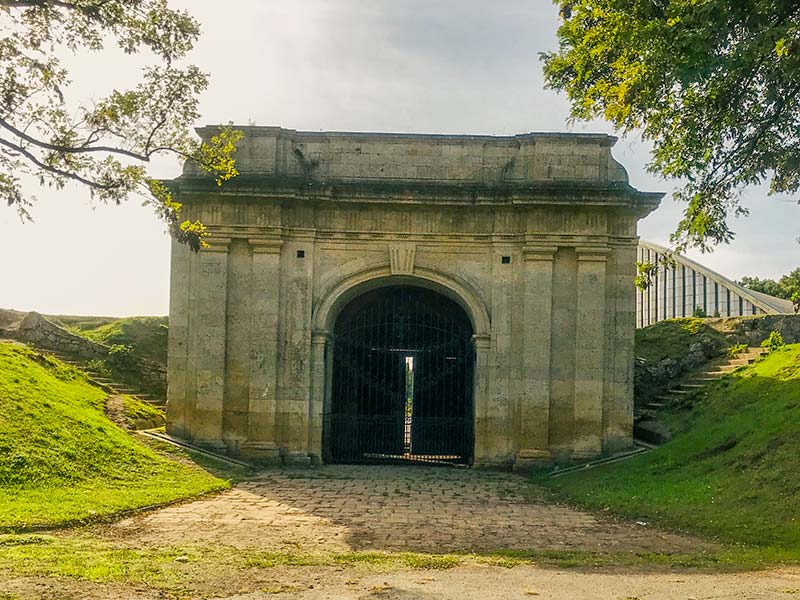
x=55, y=171
x=72, y=149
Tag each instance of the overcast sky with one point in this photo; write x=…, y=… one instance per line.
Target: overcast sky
x=442, y=66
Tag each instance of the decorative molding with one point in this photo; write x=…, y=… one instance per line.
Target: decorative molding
x=401, y=258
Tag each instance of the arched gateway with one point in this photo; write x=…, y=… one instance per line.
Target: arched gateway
x=386, y=297
x=402, y=379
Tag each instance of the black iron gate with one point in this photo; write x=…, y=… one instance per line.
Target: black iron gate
x=402, y=380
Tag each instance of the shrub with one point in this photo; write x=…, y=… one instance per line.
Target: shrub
x=699, y=312
x=774, y=341
x=736, y=350
x=99, y=367
x=121, y=357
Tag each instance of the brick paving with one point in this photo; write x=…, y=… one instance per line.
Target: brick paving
x=341, y=507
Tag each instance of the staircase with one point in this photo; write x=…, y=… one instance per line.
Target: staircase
x=645, y=421
x=114, y=387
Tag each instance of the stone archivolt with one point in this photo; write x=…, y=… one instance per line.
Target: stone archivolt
x=533, y=235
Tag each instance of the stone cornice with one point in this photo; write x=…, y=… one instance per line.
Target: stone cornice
x=261, y=188
x=271, y=239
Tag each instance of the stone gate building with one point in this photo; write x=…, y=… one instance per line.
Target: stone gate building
x=391, y=297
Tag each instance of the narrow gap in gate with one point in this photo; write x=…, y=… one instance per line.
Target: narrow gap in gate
x=409, y=406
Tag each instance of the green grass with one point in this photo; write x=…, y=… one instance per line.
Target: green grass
x=84, y=558
x=147, y=336
x=92, y=560
x=62, y=460
x=673, y=337
x=732, y=471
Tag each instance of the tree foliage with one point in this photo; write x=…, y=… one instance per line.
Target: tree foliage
x=714, y=84
x=49, y=138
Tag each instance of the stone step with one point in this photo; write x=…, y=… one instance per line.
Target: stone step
x=651, y=432
x=690, y=386
x=703, y=380
x=740, y=361
x=668, y=398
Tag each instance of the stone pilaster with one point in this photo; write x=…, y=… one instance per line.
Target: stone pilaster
x=620, y=325
x=534, y=438
x=482, y=347
x=504, y=379
x=589, y=345
x=321, y=346
x=237, y=347
x=262, y=444
x=294, y=371
x=209, y=275
x=178, y=406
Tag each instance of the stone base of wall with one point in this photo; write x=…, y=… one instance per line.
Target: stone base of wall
x=262, y=453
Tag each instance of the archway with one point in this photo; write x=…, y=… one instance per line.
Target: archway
x=402, y=379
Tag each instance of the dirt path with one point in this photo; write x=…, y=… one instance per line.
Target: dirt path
x=525, y=583
x=338, y=508
x=472, y=582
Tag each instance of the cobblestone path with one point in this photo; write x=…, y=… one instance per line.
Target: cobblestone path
x=340, y=507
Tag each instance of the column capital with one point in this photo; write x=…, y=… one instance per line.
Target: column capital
x=532, y=252
x=262, y=246
x=481, y=342
x=321, y=337
x=216, y=243
x=593, y=253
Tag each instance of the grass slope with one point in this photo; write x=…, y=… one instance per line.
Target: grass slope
x=62, y=459
x=733, y=472
x=673, y=337
x=147, y=336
